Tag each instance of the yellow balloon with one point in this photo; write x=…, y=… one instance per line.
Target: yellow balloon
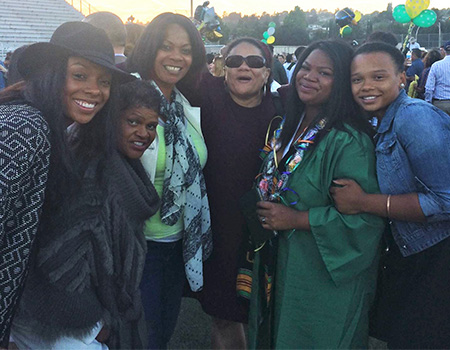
x=357, y=16
x=415, y=7
x=271, y=39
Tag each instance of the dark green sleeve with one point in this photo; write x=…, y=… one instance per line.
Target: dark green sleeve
x=348, y=244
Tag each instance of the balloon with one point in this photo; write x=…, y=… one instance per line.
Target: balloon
x=400, y=14
x=357, y=16
x=344, y=17
x=213, y=36
x=272, y=24
x=425, y=19
x=345, y=31
x=271, y=30
x=415, y=7
x=270, y=39
x=264, y=41
x=265, y=35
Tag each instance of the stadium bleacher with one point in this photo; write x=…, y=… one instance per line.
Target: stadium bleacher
x=28, y=21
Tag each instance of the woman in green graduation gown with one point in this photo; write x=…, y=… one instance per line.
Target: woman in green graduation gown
x=325, y=269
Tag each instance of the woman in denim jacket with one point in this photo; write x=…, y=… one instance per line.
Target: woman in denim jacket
x=413, y=169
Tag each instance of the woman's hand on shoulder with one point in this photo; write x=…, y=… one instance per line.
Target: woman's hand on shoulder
x=278, y=217
x=348, y=196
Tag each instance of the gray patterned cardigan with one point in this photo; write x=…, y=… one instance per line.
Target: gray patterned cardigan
x=24, y=163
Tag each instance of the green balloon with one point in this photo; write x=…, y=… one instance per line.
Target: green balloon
x=346, y=31
x=272, y=24
x=400, y=15
x=264, y=41
x=265, y=35
x=425, y=19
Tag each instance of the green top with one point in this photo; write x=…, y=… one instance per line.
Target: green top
x=154, y=229
x=325, y=279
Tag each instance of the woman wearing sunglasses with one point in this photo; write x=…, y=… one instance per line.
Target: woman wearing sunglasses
x=317, y=277
x=236, y=111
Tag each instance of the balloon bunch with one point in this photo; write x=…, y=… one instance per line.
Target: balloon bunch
x=416, y=12
x=268, y=37
x=346, y=17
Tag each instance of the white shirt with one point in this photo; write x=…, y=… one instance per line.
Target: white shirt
x=438, y=82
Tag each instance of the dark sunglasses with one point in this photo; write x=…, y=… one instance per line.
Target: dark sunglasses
x=253, y=61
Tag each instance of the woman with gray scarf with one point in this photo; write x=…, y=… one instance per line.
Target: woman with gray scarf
x=170, y=54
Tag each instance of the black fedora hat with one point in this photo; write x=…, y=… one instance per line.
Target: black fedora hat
x=72, y=39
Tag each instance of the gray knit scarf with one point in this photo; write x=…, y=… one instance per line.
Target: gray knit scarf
x=91, y=256
x=184, y=191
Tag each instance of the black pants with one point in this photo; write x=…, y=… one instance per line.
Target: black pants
x=412, y=307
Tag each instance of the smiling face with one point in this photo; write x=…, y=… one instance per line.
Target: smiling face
x=314, y=80
x=173, y=59
x=87, y=89
x=375, y=82
x=138, y=130
x=245, y=83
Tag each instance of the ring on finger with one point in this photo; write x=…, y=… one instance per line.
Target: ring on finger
x=263, y=219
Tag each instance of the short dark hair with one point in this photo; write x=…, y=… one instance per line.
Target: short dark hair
x=340, y=107
x=134, y=32
x=263, y=48
x=432, y=56
x=142, y=58
x=13, y=72
x=209, y=58
x=384, y=37
x=395, y=54
x=111, y=24
x=417, y=53
x=139, y=93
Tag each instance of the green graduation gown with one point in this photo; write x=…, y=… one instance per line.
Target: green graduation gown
x=325, y=279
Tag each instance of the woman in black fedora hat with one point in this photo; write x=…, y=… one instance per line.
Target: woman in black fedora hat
x=80, y=279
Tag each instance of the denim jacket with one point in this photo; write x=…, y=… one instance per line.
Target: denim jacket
x=413, y=155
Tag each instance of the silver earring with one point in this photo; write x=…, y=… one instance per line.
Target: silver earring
x=264, y=89
x=402, y=85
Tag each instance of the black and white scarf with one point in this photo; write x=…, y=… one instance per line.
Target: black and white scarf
x=184, y=191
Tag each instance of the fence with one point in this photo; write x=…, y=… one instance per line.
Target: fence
x=429, y=41
x=83, y=6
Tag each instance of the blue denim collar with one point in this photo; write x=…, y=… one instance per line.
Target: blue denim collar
x=388, y=117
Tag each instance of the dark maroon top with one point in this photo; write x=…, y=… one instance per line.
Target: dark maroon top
x=234, y=136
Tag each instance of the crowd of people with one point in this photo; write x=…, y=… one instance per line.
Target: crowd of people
x=298, y=197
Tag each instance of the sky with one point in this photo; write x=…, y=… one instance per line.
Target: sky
x=145, y=10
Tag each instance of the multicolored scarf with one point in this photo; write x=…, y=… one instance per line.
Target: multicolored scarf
x=184, y=191
x=271, y=182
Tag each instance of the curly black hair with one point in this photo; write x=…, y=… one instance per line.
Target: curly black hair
x=139, y=93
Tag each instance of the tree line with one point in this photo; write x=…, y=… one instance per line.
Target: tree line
x=299, y=27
